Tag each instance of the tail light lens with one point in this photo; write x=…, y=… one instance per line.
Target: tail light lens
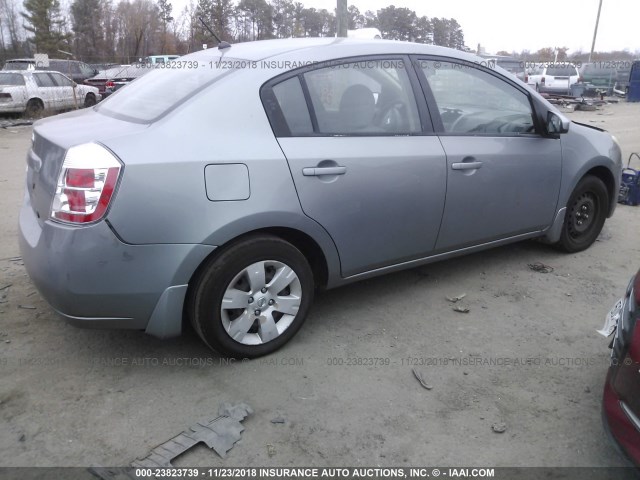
x=86, y=184
x=109, y=84
x=526, y=79
x=543, y=80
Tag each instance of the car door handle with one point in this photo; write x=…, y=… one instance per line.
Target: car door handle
x=466, y=166
x=319, y=171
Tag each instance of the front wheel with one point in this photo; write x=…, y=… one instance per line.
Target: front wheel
x=586, y=213
x=252, y=298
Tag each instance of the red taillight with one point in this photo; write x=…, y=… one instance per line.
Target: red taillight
x=526, y=79
x=542, y=80
x=109, y=84
x=86, y=184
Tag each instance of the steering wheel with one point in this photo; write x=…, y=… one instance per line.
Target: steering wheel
x=393, y=117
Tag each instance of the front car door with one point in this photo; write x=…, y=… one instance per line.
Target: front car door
x=48, y=91
x=503, y=173
x=66, y=89
x=363, y=157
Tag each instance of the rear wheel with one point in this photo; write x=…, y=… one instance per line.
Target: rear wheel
x=586, y=213
x=252, y=298
x=34, y=108
x=89, y=100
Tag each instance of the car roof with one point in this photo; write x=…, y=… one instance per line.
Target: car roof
x=329, y=46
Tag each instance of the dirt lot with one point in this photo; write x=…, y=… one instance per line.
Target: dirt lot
x=66, y=399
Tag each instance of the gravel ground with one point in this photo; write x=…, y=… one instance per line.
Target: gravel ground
x=526, y=356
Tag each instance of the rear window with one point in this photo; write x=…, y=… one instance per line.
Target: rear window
x=11, y=79
x=17, y=65
x=162, y=89
x=561, y=71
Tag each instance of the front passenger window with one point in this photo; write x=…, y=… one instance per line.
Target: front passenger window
x=472, y=101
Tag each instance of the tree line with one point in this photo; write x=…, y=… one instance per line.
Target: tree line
x=121, y=31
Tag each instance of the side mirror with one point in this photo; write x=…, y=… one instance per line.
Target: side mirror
x=557, y=124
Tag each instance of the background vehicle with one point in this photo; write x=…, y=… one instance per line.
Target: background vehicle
x=158, y=59
x=75, y=70
x=394, y=155
x=621, y=401
x=31, y=92
x=602, y=75
x=554, y=78
x=108, y=81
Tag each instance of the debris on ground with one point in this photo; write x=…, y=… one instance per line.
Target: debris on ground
x=499, y=427
x=456, y=299
x=271, y=450
x=27, y=307
x=238, y=412
x=540, y=267
x=421, y=380
x=6, y=286
x=220, y=434
x=461, y=309
x=277, y=420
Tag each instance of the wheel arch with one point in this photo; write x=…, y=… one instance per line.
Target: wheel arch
x=605, y=174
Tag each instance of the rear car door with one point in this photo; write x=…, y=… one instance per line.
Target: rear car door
x=363, y=157
x=503, y=173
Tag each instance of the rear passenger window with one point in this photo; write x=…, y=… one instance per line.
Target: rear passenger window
x=370, y=97
x=293, y=105
x=43, y=80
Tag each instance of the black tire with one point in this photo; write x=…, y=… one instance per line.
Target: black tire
x=204, y=303
x=89, y=100
x=34, y=108
x=587, y=210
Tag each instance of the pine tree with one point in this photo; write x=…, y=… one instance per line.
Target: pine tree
x=47, y=25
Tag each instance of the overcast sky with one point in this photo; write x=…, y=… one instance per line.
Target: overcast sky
x=522, y=24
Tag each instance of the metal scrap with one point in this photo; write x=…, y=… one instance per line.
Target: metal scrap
x=219, y=433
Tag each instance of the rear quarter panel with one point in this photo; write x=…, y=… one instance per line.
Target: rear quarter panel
x=162, y=197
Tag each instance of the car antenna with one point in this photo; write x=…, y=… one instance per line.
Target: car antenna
x=221, y=45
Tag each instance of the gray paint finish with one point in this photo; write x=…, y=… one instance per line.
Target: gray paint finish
x=387, y=206
x=227, y=182
x=196, y=179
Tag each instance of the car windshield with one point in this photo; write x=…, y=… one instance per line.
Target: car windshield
x=11, y=79
x=159, y=91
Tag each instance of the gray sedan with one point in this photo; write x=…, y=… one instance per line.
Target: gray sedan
x=226, y=189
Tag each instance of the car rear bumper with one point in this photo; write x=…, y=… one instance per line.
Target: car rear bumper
x=12, y=107
x=94, y=280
